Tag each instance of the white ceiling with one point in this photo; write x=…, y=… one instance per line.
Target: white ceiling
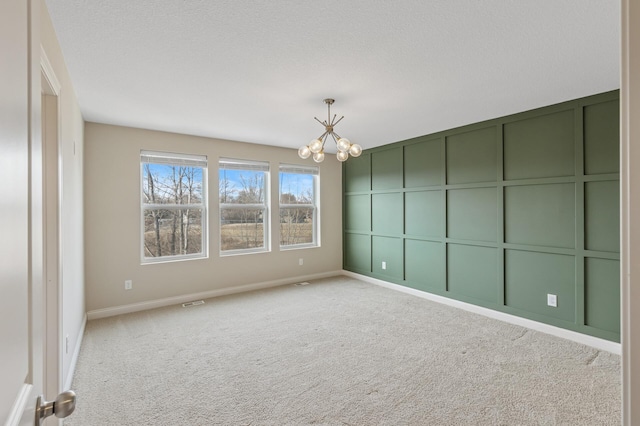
x=258, y=70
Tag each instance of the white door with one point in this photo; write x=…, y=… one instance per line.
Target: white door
x=21, y=220
x=21, y=297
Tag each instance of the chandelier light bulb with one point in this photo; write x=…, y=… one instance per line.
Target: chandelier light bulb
x=318, y=157
x=355, y=150
x=342, y=156
x=304, y=152
x=343, y=144
x=315, y=146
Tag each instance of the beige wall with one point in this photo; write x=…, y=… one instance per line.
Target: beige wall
x=112, y=221
x=71, y=134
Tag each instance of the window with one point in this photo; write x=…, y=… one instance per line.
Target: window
x=174, y=206
x=298, y=206
x=244, y=213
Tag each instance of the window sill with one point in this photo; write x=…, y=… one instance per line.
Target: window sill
x=230, y=253
x=170, y=259
x=299, y=247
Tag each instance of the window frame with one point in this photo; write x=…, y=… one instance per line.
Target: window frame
x=225, y=163
x=177, y=160
x=314, y=171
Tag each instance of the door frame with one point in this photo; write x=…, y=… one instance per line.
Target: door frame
x=630, y=210
x=54, y=343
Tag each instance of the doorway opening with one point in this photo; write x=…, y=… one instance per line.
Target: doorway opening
x=54, y=343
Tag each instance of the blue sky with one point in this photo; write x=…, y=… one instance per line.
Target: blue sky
x=163, y=172
x=234, y=177
x=293, y=183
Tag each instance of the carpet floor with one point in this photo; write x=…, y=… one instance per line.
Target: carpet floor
x=338, y=351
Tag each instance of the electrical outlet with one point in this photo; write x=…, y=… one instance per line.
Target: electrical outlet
x=384, y=265
x=301, y=261
x=552, y=300
x=128, y=285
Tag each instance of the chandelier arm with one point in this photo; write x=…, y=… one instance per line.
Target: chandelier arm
x=316, y=118
x=338, y=121
x=335, y=135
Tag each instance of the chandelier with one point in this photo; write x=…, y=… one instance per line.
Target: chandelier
x=316, y=146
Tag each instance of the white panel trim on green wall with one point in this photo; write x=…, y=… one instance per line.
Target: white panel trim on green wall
x=585, y=339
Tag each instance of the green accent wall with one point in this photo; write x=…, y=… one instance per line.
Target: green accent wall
x=499, y=214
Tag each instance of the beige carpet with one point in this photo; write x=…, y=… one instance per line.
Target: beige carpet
x=335, y=352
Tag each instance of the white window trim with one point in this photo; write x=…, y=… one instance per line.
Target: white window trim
x=256, y=166
x=175, y=159
x=307, y=170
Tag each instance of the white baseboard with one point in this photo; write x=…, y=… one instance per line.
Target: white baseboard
x=76, y=353
x=18, y=409
x=595, y=342
x=158, y=303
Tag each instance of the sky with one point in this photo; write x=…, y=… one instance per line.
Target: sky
x=163, y=173
x=292, y=183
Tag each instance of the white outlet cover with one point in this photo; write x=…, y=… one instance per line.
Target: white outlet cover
x=384, y=265
x=552, y=300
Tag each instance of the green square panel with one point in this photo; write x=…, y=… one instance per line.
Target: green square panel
x=539, y=147
x=472, y=156
x=423, y=214
x=424, y=265
x=602, y=138
x=472, y=272
x=357, y=252
x=388, y=251
x=530, y=276
x=472, y=214
x=602, y=294
x=358, y=173
x=423, y=164
x=357, y=213
x=540, y=215
x=386, y=169
x=602, y=216
x=386, y=213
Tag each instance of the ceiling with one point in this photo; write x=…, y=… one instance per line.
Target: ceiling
x=257, y=71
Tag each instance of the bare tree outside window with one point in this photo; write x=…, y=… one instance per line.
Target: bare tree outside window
x=298, y=206
x=173, y=206
x=243, y=206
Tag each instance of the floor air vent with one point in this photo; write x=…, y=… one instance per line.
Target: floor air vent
x=195, y=303
x=303, y=283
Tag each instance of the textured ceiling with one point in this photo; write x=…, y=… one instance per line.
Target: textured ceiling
x=257, y=71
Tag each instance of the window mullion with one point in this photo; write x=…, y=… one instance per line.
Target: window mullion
x=172, y=206
x=243, y=206
x=296, y=206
